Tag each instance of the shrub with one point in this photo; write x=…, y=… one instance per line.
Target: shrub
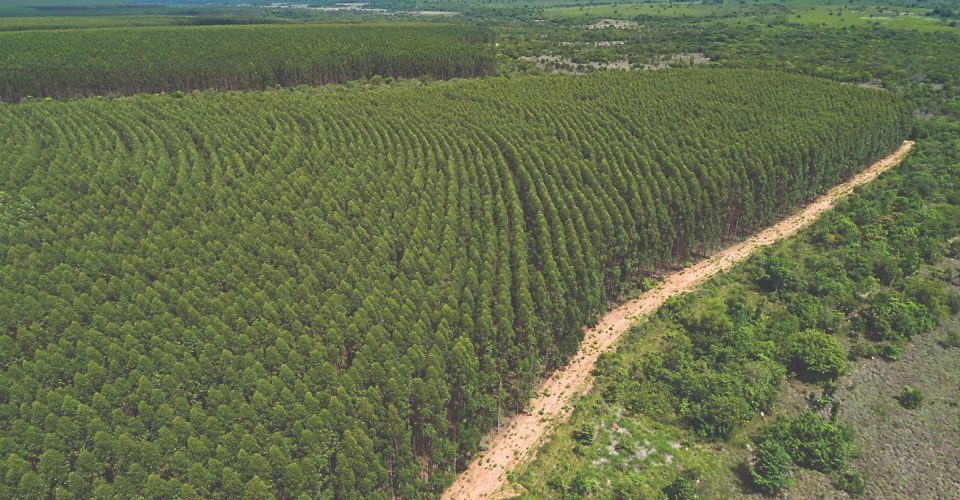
x=583, y=485
x=719, y=415
x=684, y=487
x=892, y=351
x=891, y=316
x=953, y=303
x=816, y=357
x=953, y=250
x=779, y=275
x=911, y=398
x=583, y=434
x=813, y=442
x=852, y=482
x=953, y=338
x=772, y=469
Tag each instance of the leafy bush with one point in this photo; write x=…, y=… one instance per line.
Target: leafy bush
x=816, y=356
x=910, y=398
x=583, y=434
x=892, y=316
x=852, y=482
x=892, y=351
x=953, y=250
x=719, y=415
x=684, y=487
x=813, y=442
x=953, y=338
x=779, y=275
x=953, y=303
x=772, y=469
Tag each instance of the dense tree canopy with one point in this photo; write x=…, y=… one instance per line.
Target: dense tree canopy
x=337, y=292
x=133, y=60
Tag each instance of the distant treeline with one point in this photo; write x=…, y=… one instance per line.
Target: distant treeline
x=137, y=60
x=82, y=22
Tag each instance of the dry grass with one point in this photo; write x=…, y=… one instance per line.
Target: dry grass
x=903, y=453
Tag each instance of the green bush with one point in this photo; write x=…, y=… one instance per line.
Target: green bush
x=953, y=303
x=772, y=469
x=891, y=316
x=684, y=487
x=719, y=415
x=911, y=398
x=816, y=357
x=953, y=338
x=892, y=351
x=852, y=482
x=583, y=434
x=813, y=442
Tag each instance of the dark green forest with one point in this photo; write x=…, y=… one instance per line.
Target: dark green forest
x=337, y=291
x=64, y=63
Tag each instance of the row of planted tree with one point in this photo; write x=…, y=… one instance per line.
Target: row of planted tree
x=65, y=63
x=340, y=291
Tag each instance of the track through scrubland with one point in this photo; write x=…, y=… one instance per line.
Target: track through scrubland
x=519, y=439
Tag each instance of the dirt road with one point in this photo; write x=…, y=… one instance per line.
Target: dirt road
x=520, y=438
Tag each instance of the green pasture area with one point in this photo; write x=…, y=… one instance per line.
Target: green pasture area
x=889, y=16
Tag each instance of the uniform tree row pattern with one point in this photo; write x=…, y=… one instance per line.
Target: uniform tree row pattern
x=133, y=60
x=338, y=291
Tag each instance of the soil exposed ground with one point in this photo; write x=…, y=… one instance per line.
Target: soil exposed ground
x=517, y=441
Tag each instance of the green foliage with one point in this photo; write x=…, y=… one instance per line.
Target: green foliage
x=684, y=487
x=858, y=267
x=911, y=398
x=953, y=303
x=583, y=435
x=134, y=60
x=812, y=442
x=337, y=290
x=892, y=316
x=852, y=482
x=922, y=65
x=772, y=469
x=953, y=338
x=817, y=357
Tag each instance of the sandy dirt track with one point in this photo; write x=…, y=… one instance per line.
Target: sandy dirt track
x=520, y=438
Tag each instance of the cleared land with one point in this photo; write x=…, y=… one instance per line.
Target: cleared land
x=516, y=442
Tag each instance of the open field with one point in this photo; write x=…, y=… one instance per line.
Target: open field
x=815, y=13
x=895, y=17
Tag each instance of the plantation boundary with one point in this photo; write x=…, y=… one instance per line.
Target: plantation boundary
x=519, y=440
